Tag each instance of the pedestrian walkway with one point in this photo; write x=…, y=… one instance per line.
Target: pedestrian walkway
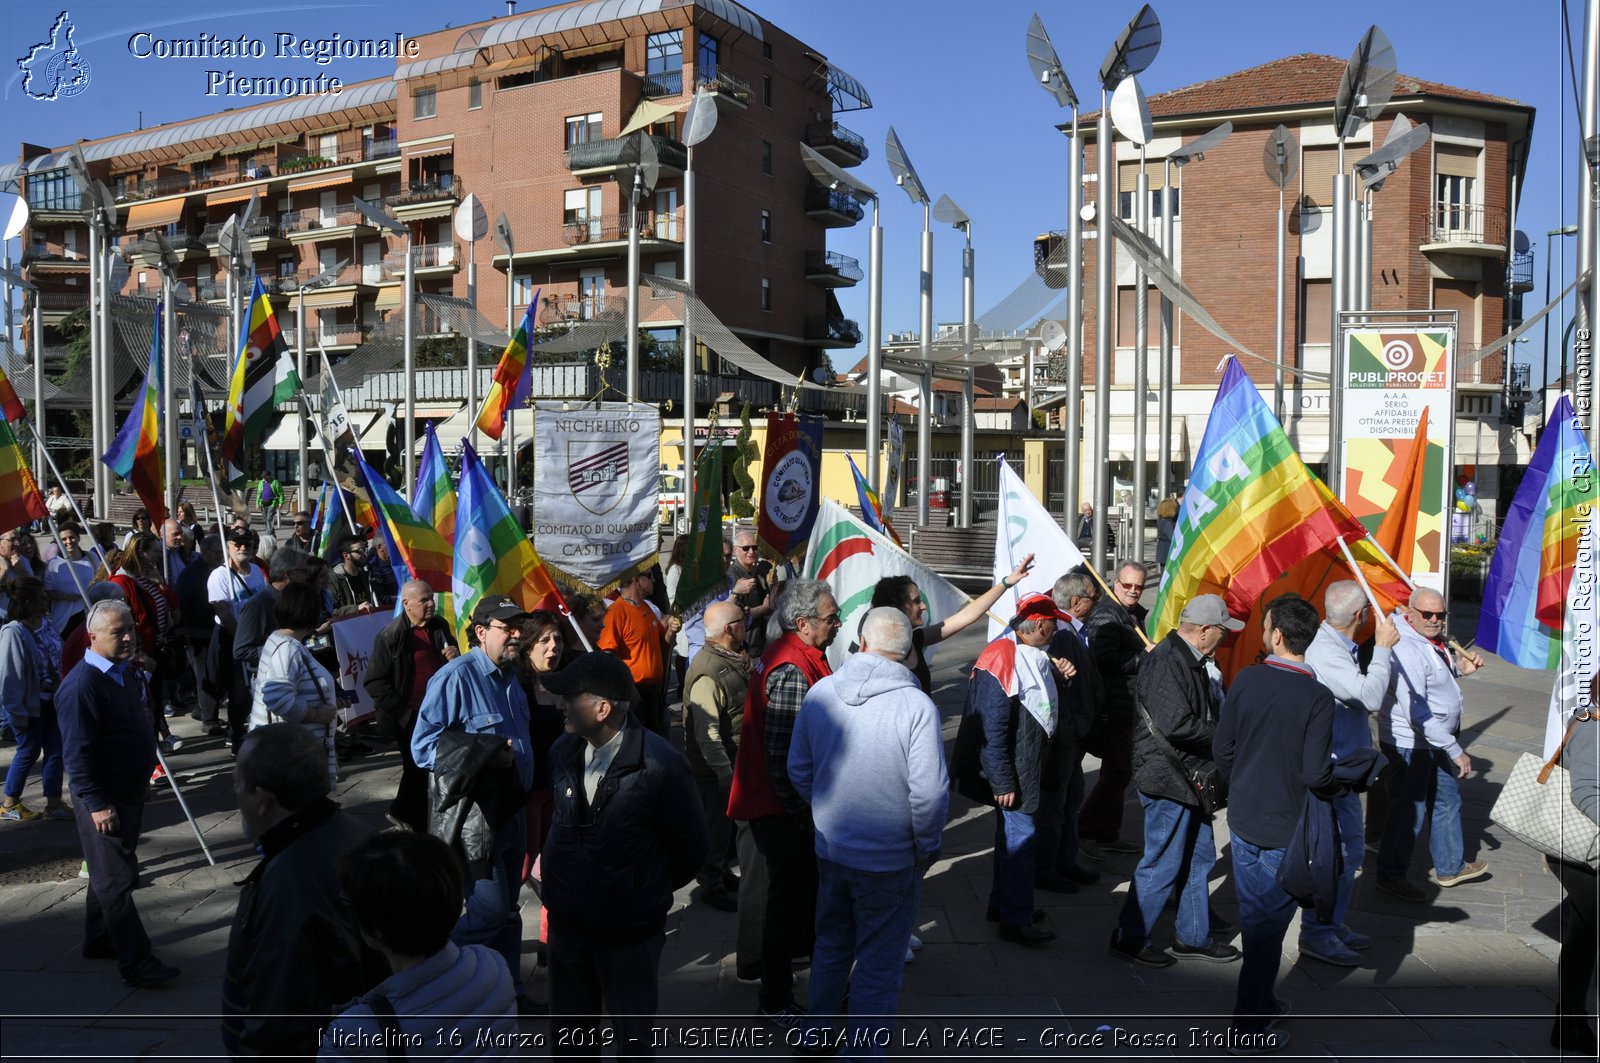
x=1469, y=974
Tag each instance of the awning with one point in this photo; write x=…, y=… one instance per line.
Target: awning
x=648, y=113
x=286, y=434
x=154, y=215
x=1122, y=440
x=330, y=300
x=391, y=297
x=242, y=149
x=306, y=184
x=199, y=156
x=517, y=64
x=428, y=151
x=232, y=195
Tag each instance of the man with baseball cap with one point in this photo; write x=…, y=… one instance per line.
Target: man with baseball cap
x=1007, y=735
x=479, y=693
x=1175, y=698
x=627, y=832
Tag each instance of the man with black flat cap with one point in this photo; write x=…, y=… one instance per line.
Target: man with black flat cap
x=628, y=831
x=478, y=693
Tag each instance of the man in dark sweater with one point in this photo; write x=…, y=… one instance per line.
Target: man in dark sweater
x=1274, y=743
x=1115, y=645
x=109, y=748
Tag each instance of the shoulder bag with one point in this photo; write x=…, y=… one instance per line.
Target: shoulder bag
x=1210, y=788
x=1535, y=806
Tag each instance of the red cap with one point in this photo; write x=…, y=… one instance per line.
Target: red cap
x=1034, y=606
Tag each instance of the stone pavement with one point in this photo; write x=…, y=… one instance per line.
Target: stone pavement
x=1471, y=973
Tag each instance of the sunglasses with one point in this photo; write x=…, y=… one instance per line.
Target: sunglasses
x=1428, y=614
x=1131, y=586
x=830, y=619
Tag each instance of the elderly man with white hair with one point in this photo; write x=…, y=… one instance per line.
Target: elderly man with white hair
x=1419, y=731
x=868, y=756
x=716, y=684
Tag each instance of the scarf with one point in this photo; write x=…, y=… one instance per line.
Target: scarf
x=1024, y=673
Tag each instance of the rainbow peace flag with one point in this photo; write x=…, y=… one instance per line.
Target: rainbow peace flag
x=20, y=501
x=10, y=405
x=493, y=555
x=871, y=509
x=135, y=453
x=1252, y=511
x=511, y=378
x=1542, y=542
x=433, y=499
x=416, y=549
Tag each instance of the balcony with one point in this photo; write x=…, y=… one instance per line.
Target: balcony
x=169, y=185
x=729, y=90
x=832, y=270
x=342, y=335
x=554, y=310
x=599, y=157
x=315, y=224
x=59, y=304
x=664, y=83
x=1520, y=386
x=263, y=235
x=1521, y=271
x=374, y=150
x=838, y=145
x=55, y=262
x=426, y=259
x=830, y=331
x=613, y=228
x=427, y=197
x=834, y=209
x=1466, y=229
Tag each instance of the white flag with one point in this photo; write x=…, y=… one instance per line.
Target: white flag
x=851, y=558
x=1578, y=634
x=1026, y=527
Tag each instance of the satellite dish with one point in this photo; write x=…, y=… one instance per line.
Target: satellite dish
x=821, y=376
x=1196, y=149
x=377, y=217
x=472, y=221
x=1046, y=65
x=946, y=211
x=1134, y=49
x=701, y=118
x=1052, y=335
x=502, y=235
x=1130, y=113
x=1519, y=243
x=14, y=211
x=252, y=210
x=1367, y=84
x=905, y=175
x=831, y=176
x=1282, y=157
x=1403, y=139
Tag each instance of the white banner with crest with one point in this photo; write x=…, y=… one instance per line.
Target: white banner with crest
x=596, y=476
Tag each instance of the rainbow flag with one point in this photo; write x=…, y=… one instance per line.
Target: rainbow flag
x=433, y=499
x=512, y=380
x=135, y=453
x=493, y=555
x=416, y=549
x=1252, y=511
x=1524, y=601
x=263, y=376
x=20, y=501
x=10, y=405
x=871, y=509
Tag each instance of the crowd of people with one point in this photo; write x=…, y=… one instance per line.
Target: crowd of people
x=612, y=754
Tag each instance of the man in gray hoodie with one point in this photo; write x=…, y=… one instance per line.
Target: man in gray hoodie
x=868, y=756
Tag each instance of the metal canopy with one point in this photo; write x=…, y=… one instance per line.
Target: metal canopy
x=1046, y=65
x=835, y=178
x=437, y=65
x=905, y=175
x=848, y=94
x=1367, y=84
x=1134, y=49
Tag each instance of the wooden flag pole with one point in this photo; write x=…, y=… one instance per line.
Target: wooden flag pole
x=1449, y=639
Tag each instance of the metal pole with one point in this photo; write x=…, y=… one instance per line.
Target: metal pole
x=925, y=388
x=1511, y=260
x=633, y=293
x=411, y=372
x=96, y=355
x=688, y=330
x=969, y=414
x=472, y=349
x=1544, y=406
x=1164, y=409
x=1072, y=421
x=1277, y=371
x=1104, y=264
x=874, y=350
x=169, y=398
x=41, y=453
x=300, y=368
x=511, y=415
x=107, y=400
x=1134, y=550
x=1583, y=367
x=1341, y=226
x=1364, y=257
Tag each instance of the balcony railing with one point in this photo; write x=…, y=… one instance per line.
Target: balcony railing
x=424, y=256
x=834, y=135
x=1521, y=383
x=725, y=84
x=665, y=83
x=59, y=301
x=300, y=221
x=259, y=229
x=829, y=329
x=169, y=185
x=1466, y=223
x=1522, y=269
x=554, y=310
x=834, y=264
x=607, y=227
x=599, y=153
x=55, y=258
x=444, y=186
x=380, y=149
x=820, y=198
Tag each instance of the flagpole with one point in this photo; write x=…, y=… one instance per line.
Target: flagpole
x=1450, y=639
x=204, y=443
x=333, y=470
x=1349, y=558
x=82, y=520
x=83, y=592
x=211, y=860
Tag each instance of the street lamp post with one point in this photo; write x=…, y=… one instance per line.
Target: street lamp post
x=1565, y=230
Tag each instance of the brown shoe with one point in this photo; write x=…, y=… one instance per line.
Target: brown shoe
x=1468, y=872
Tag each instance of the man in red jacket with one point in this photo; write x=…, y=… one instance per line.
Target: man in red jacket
x=763, y=796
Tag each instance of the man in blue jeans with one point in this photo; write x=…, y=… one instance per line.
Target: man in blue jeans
x=1274, y=743
x=868, y=757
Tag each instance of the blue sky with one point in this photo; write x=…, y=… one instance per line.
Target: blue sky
x=949, y=75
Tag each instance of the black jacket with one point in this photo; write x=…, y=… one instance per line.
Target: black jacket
x=389, y=671
x=1000, y=748
x=1118, y=652
x=610, y=868
x=469, y=799
x=1176, y=691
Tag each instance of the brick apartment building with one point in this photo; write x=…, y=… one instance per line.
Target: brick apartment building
x=1442, y=239
x=527, y=111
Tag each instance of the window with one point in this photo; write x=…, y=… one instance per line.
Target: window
x=474, y=94
x=1455, y=183
x=1127, y=303
x=705, y=59
x=666, y=220
x=328, y=145
x=583, y=129
x=766, y=90
x=522, y=289
x=1317, y=167
x=663, y=63
x=766, y=294
x=581, y=213
x=1316, y=321
x=666, y=268
x=55, y=190
x=1128, y=185
x=766, y=226
x=766, y=157
x=424, y=103
x=591, y=292
x=766, y=50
